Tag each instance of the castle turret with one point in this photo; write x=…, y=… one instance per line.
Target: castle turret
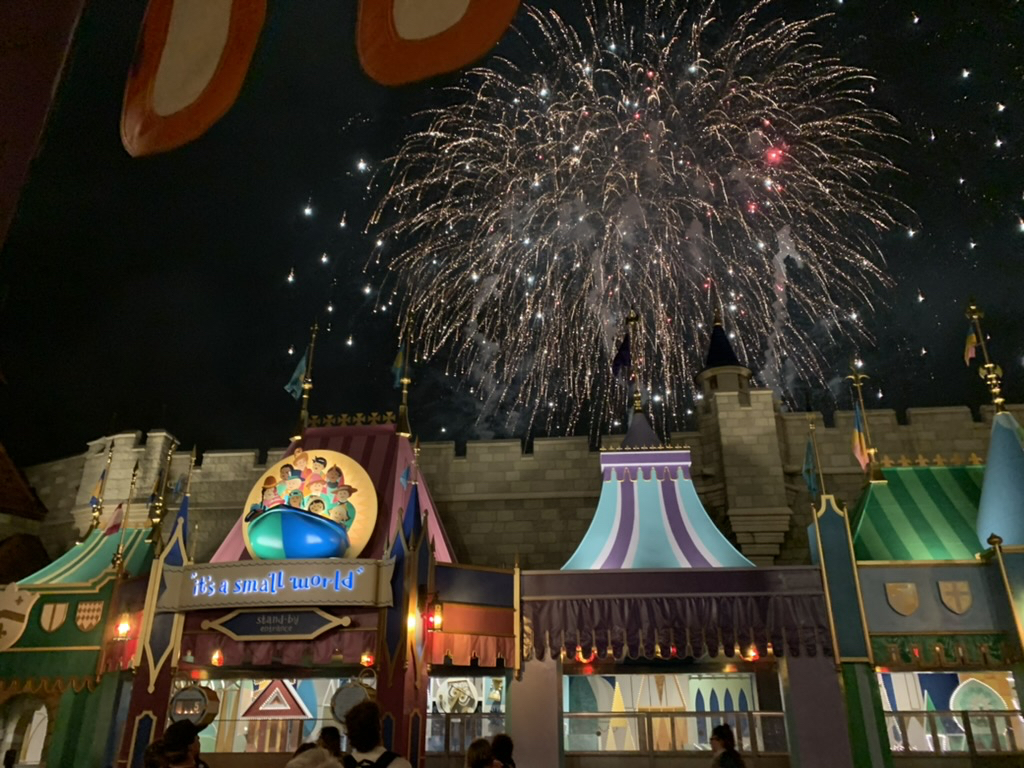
x=741, y=444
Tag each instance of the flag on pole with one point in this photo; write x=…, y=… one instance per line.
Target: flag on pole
x=623, y=358
x=860, y=441
x=810, y=470
x=95, y=500
x=156, y=487
x=971, y=346
x=116, y=521
x=294, y=385
x=398, y=367
x=183, y=516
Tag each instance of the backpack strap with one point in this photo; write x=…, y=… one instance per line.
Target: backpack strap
x=349, y=762
x=385, y=760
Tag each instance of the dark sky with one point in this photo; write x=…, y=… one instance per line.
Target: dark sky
x=151, y=293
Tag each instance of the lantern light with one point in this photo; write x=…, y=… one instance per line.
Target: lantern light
x=367, y=659
x=124, y=627
x=217, y=659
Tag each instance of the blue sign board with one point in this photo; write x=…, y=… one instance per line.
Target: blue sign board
x=299, y=624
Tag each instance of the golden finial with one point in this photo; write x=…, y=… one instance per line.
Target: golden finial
x=991, y=373
x=633, y=319
x=717, y=318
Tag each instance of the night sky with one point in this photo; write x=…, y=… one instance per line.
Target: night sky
x=152, y=293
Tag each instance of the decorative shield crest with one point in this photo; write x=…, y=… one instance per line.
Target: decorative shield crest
x=88, y=614
x=52, y=616
x=15, y=605
x=956, y=595
x=902, y=597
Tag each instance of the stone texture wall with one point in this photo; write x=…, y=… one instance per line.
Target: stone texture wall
x=498, y=502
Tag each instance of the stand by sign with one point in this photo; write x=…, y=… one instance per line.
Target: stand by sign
x=302, y=624
x=277, y=583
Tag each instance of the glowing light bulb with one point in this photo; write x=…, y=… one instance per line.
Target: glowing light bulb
x=348, y=341
x=323, y=258
x=291, y=275
x=308, y=210
x=362, y=165
x=291, y=349
x=965, y=73
x=330, y=307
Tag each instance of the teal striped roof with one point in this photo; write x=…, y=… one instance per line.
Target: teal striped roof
x=920, y=513
x=85, y=562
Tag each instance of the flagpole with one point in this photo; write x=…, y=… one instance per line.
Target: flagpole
x=817, y=459
x=633, y=319
x=403, y=427
x=118, y=561
x=188, y=490
x=990, y=372
x=156, y=513
x=307, y=386
x=97, y=511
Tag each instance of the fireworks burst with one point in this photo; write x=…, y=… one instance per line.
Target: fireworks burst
x=662, y=160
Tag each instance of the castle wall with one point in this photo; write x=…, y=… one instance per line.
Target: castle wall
x=498, y=502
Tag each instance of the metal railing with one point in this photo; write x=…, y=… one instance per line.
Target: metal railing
x=449, y=735
x=956, y=733
x=645, y=733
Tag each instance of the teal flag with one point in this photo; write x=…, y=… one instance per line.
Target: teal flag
x=811, y=470
x=294, y=385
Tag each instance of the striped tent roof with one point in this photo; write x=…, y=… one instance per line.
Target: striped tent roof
x=649, y=516
x=85, y=562
x=920, y=513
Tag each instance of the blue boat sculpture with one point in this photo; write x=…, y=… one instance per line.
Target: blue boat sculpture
x=290, y=533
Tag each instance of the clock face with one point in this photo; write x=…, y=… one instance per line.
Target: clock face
x=312, y=504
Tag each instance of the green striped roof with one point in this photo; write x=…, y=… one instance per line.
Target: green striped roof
x=920, y=513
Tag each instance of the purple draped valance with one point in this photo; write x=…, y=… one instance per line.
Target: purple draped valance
x=660, y=614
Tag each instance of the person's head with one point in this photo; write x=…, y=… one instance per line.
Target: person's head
x=334, y=474
x=182, y=735
x=479, y=754
x=330, y=739
x=320, y=464
x=501, y=746
x=362, y=724
x=295, y=499
x=153, y=757
x=317, y=506
x=722, y=739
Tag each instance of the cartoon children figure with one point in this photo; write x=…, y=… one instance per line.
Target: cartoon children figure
x=319, y=464
x=301, y=465
x=317, y=506
x=295, y=499
x=271, y=498
x=286, y=471
x=343, y=512
x=314, y=485
x=334, y=478
x=291, y=485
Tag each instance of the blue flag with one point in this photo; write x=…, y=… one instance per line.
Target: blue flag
x=404, y=479
x=183, y=516
x=398, y=367
x=294, y=386
x=94, y=501
x=810, y=470
x=623, y=358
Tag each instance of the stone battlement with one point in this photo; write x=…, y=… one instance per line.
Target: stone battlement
x=499, y=502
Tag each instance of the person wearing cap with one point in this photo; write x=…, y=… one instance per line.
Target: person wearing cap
x=183, y=737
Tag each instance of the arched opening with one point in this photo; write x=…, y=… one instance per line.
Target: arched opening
x=24, y=723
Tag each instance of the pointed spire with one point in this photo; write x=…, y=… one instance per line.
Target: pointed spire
x=720, y=351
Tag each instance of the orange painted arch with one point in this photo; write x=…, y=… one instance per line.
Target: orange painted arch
x=392, y=60
x=144, y=131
